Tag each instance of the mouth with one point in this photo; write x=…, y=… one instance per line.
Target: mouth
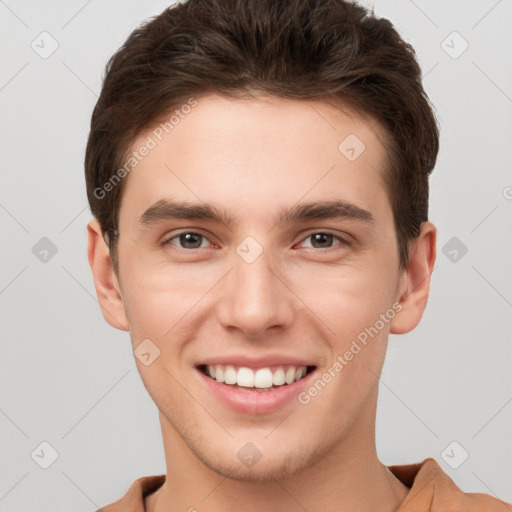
x=264, y=379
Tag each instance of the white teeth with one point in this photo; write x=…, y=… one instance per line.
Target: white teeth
x=219, y=373
x=245, y=377
x=230, y=375
x=278, y=377
x=263, y=378
x=290, y=375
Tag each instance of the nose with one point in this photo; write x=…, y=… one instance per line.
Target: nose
x=255, y=297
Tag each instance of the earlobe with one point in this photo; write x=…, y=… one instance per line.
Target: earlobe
x=107, y=286
x=415, y=280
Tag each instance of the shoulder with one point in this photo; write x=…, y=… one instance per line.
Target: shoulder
x=432, y=490
x=133, y=500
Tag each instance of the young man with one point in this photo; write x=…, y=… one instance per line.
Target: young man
x=258, y=173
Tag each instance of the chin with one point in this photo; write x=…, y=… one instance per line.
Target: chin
x=279, y=465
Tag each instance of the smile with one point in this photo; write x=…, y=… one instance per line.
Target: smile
x=258, y=379
x=253, y=388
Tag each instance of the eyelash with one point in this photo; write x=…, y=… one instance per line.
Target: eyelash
x=343, y=242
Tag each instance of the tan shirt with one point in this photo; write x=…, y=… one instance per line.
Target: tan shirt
x=432, y=490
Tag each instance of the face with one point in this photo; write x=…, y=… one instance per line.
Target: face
x=257, y=247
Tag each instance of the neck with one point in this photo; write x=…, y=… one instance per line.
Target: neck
x=349, y=477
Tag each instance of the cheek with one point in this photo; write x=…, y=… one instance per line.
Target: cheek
x=347, y=299
x=159, y=299
x=355, y=310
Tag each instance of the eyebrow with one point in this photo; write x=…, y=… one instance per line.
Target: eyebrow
x=167, y=209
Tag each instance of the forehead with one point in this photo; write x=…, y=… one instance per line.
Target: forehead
x=250, y=154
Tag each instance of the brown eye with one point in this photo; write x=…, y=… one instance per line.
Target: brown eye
x=323, y=240
x=188, y=240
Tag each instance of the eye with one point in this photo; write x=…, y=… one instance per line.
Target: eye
x=322, y=240
x=188, y=240
x=192, y=240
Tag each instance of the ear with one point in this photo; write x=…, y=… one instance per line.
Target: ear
x=105, y=280
x=414, y=282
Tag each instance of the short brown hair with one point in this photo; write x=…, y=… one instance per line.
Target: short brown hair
x=292, y=49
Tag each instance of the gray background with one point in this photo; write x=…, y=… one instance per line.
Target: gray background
x=69, y=379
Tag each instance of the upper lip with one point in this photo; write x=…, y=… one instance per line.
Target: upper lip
x=255, y=362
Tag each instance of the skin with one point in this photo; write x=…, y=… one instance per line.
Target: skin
x=251, y=158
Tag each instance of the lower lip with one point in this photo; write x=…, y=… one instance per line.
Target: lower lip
x=255, y=402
